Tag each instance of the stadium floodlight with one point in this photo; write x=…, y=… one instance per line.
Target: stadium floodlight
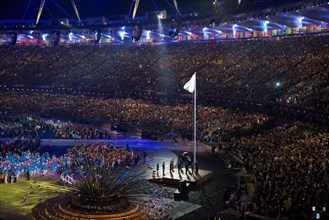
x=265, y=26
x=71, y=36
x=148, y=35
x=234, y=29
x=107, y=36
x=44, y=37
x=122, y=34
x=300, y=22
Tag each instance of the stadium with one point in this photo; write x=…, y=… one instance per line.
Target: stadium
x=183, y=109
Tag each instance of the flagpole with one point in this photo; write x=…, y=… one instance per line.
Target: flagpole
x=194, y=144
x=191, y=87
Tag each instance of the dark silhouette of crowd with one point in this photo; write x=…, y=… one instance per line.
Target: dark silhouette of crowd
x=290, y=165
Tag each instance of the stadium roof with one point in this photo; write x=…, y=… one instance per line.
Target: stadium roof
x=93, y=8
x=28, y=9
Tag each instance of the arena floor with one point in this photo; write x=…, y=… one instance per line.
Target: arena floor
x=18, y=199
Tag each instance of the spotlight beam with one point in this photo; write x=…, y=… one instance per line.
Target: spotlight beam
x=76, y=10
x=172, y=6
x=42, y=3
x=51, y=15
x=58, y=6
x=155, y=5
x=131, y=8
x=176, y=5
x=27, y=8
x=135, y=8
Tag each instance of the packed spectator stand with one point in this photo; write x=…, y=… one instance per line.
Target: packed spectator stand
x=142, y=114
x=275, y=69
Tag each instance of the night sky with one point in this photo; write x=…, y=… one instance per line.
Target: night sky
x=15, y=9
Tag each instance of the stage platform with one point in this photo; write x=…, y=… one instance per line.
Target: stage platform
x=173, y=178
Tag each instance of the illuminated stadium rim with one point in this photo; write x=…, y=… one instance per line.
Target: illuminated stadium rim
x=119, y=33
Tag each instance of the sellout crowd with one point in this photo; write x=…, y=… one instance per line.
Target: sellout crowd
x=285, y=69
x=290, y=163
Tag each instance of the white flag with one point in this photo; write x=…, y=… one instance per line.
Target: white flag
x=190, y=85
